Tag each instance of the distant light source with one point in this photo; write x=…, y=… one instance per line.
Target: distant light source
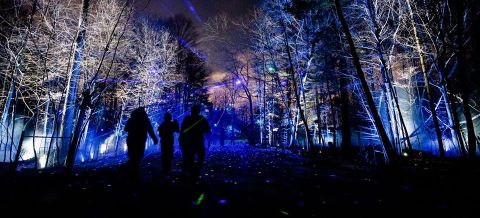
x=271, y=69
x=238, y=82
x=42, y=161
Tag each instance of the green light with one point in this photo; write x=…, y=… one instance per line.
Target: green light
x=200, y=199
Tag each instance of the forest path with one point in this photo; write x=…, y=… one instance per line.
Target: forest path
x=237, y=181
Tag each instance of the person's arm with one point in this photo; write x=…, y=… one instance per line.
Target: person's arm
x=151, y=132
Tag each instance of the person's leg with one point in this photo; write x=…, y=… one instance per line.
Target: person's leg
x=188, y=157
x=168, y=157
x=164, y=158
x=133, y=170
x=132, y=162
x=200, y=153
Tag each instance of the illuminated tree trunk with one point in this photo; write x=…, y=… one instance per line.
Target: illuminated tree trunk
x=334, y=115
x=311, y=145
x=118, y=129
x=453, y=122
x=346, y=131
x=427, y=82
x=386, y=72
x=19, y=150
x=12, y=121
x=12, y=93
x=251, y=131
x=391, y=154
x=265, y=110
x=34, y=136
x=69, y=105
x=321, y=140
x=6, y=108
x=79, y=128
x=297, y=97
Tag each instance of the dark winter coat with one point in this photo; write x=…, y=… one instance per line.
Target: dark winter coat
x=138, y=126
x=166, y=130
x=193, y=130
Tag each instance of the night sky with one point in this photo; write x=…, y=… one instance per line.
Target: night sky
x=200, y=11
x=204, y=9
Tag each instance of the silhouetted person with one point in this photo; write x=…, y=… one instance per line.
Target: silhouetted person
x=192, y=142
x=165, y=131
x=138, y=126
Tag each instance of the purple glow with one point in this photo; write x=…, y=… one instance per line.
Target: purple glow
x=192, y=10
x=194, y=50
x=116, y=81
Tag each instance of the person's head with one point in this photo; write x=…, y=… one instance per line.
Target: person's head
x=139, y=112
x=167, y=117
x=195, y=110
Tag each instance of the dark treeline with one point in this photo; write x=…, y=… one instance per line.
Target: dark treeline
x=393, y=76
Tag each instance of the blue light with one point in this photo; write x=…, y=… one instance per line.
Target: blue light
x=192, y=10
x=194, y=50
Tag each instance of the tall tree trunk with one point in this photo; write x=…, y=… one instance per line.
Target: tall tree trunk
x=334, y=115
x=427, y=82
x=6, y=108
x=445, y=84
x=251, y=131
x=16, y=73
x=12, y=121
x=297, y=97
x=118, y=129
x=79, y=128
x=346, y=131
x=390, y=90
x=69, y=106
x=19, y=151
x=391, y=154
x=321, y=141
x=465, y=90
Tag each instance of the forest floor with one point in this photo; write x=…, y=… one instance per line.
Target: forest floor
x=243, y=181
